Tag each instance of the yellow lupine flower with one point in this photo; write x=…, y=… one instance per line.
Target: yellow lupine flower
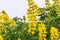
x=53, y=29
x=42, y=31
x=31, y=16
x=54, y=33
x=1, y=38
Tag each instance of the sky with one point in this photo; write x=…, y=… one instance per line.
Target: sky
x=17, y=7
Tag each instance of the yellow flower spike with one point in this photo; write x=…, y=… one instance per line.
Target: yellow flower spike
x=42, y=31
x=1, y=38
x=31, y=15
x=54, y=33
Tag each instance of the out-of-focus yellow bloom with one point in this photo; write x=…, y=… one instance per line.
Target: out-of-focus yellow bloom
x=1, y=38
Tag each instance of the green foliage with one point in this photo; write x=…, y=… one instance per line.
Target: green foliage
x=13, y=33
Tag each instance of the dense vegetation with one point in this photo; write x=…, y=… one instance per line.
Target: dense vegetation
x=46, y=27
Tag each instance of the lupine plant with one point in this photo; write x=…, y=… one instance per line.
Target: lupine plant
x=29, y=28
